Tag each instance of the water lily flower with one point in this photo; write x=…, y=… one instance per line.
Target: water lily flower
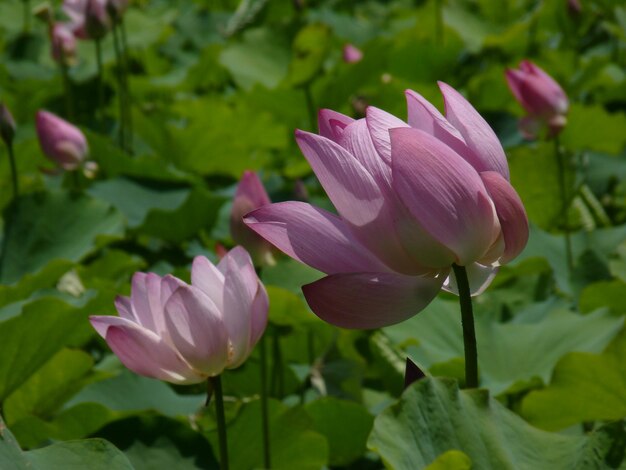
x=61, y=141
x=541, y=96
x=351, y=54
x=63, y=43
x=250, y=195
x=412, y=199
x=182, y=333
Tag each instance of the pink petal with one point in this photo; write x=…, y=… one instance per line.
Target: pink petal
x=240, y=288
x=312, y=236
x=511, y=214
x=479, y=278
x=143, y=352
x=206, y=277
x=559, y=98
x=370, y=300
x=331, y=123
x=197, y=330
x=444, y=194
x=356, y=139
x=124, y=308
x=145, y=298
x=379, y=122
x=478, y=136
x=258, y=319
x=349, y=186
x=515, y=79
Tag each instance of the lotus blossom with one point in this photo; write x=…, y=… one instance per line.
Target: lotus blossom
x=412, y=199
x=250, y=195
x=351, y=54
x=182, y=333
x=541, y=96
x=89, y=19
x=63, y=43
x=60, y=141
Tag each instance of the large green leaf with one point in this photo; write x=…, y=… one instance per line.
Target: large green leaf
x=433, y=416
x=505, y=359
x=44, y=226
x=584, y=387
x=592, y=128
x=94, y=454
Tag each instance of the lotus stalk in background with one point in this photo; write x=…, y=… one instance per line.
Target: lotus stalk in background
x=7, y=132
x=415, y=201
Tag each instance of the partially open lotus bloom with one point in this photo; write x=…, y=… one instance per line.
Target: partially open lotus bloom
x=413, y=198
x=89, y=19
x=63, y=43
x=60, y=141
x=541, y=96
x=182, y=333
x=250, y=195
x=351, y=54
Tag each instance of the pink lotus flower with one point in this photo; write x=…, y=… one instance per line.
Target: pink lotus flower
x=182, y=333
x=351, y=54
x=60, y=141
x=250, y=195
x=63, y=43
x=412, y=200
x=543, y=99
x=89, y=19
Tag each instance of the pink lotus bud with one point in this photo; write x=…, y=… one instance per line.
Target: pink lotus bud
x=543, y=99
x=412, y=199
x=63, y=43
x=7, y=125
x=250, y=195
x=89, y=19
x=182, y=333
x=117, y=8
x=60, y=141
x=351, y=54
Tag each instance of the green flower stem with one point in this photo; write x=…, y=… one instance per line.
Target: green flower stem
x=215, y=384
x=99, y=84
x=16, y=189
x=265, y=422
x=127, y=94
x=67, y=88
x=121, y=98
x=560, y=161
x=469, y=333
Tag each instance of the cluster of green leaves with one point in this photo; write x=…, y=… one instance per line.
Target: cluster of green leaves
x=219, y=89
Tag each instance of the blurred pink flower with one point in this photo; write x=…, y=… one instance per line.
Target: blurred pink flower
x=182, y=333
x=89, y=19
x=250, y=195
x=63, y=43
x=541, y=96
x=412, y=200
x=60, y=141
x=351, y=54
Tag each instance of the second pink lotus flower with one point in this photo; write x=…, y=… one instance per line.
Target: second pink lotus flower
x=412, y=200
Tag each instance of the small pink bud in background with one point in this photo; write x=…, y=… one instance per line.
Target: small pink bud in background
x=63, y=43
x=89, y=19
x=183, y=334
x=351, y=54
x=220, y=250
x=574, y=8
x=7, y=125
x=541, y=96
x=60, y=141
x=250, y=195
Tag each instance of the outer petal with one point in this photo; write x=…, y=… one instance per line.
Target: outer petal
x=559, y=98
x=356, y=139
x=260, y=310
x=515, y=80
x=511, y=214
x=145, y=299
x=443, y=193
x=197, y=330
x=240, y=288
x=312, y=236
x=331, y=123
x=348, y=184
x=478, y=136
x=206, y=277
x=370, y=300
x=143, y=352
x=379, y=122
x=479, y=278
